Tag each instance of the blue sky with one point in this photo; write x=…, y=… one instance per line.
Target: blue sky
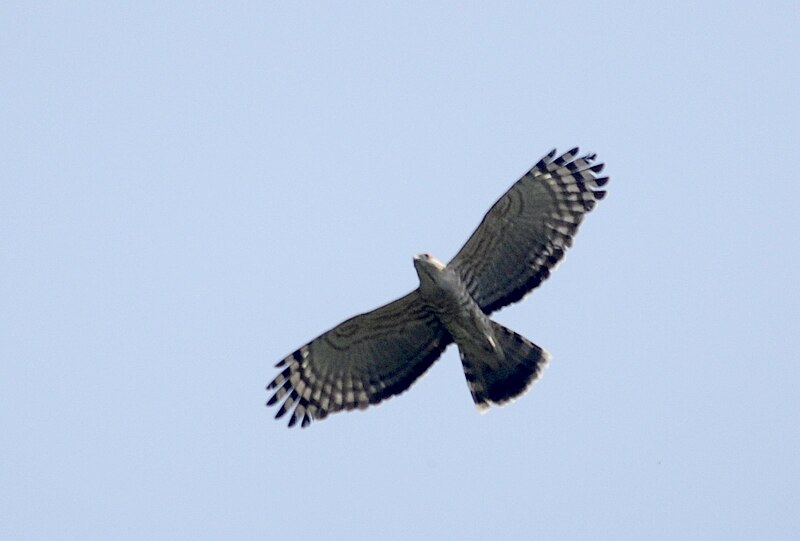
x=191, y=191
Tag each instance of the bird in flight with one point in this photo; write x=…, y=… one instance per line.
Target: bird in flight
x=379, y=354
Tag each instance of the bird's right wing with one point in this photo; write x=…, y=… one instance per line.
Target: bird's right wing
x=525, y=234
x=361, y=361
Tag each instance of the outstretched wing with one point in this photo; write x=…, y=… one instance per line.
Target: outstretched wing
x=362, y=361
x=525, y=234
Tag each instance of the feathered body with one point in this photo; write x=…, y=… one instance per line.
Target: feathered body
x=379, y=354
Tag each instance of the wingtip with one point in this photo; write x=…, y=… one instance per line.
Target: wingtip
x=547, y=158
x=285, y=407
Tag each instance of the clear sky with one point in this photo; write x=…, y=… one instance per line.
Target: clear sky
x=190, y=191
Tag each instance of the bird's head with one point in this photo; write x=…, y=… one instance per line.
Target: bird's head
x=427, y=264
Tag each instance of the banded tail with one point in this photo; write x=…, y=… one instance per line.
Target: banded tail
x=498, y=377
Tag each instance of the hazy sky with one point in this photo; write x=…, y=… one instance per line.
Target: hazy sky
x=191, y=191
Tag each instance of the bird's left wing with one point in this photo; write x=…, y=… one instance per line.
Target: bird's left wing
x=361, y=361
x=525, y=234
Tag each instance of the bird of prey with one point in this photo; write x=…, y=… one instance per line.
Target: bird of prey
x=376, y=355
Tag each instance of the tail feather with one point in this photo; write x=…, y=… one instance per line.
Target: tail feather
x=503, y=376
